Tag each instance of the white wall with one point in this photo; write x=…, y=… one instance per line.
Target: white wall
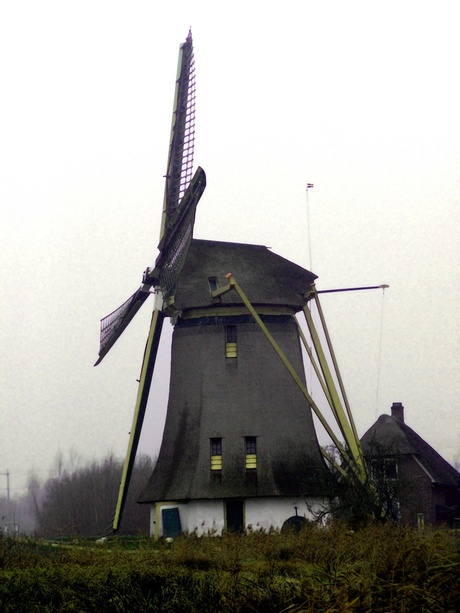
x=208, y=516
x=266, y=513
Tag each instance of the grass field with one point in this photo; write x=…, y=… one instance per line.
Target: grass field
x=376, y=569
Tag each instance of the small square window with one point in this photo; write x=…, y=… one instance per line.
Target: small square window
x=231, y=334
x=216, y=446
x=251, y=444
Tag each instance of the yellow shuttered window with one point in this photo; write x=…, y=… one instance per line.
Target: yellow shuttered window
x=251, y=452
x=216, y=454
x=216, y=462
x=230, y=342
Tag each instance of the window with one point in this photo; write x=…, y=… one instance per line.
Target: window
x=230, y=342
x=391, y=469
x=384, y=469
x=216, y=454
x=251, y=452
x=213, y=285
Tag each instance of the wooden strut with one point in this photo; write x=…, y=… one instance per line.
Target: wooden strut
x=148, y=363
x=345, y=422
x=352, y=455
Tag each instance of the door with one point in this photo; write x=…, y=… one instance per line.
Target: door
x=171, y=522
x=234, y=515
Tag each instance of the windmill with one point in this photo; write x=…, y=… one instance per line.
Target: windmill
x=239, y=445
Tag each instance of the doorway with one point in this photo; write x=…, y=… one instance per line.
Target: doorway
x=234, y=515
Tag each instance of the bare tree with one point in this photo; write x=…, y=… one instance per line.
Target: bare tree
x=82, y=501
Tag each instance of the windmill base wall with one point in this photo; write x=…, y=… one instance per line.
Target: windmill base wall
x=209, y=517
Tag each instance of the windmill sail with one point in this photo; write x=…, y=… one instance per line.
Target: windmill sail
x=169, y=264
x=182, y=140
x=178, y=208
x=176, y=242
x=113, y=325
x=182, y=194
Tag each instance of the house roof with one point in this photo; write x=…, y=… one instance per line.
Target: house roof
x=393, y=435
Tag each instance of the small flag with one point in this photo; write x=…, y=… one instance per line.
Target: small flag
x=309, y=185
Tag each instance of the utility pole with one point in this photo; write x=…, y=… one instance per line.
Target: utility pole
x=7, y=474
x=8, y=505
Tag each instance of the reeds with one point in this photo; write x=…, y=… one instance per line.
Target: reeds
x=376, y=569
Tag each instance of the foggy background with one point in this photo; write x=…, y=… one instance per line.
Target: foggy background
x=359, y=98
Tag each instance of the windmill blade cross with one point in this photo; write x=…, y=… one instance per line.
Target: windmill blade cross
x=182, y=194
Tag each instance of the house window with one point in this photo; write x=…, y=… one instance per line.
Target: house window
x=230, y=342
x=391, y=469
x=251, y=452
x=385, y=469
x=213, y=285
x=216, y=454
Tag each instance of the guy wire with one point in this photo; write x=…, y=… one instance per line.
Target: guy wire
x=379, y=355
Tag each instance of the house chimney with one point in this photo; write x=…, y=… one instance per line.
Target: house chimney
x=397, y=411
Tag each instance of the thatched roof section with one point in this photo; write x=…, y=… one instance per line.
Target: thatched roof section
x=265, y=277
x=394, y=437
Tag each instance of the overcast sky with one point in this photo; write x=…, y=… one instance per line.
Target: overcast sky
x=359, y=98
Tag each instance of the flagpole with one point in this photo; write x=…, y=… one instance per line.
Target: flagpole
x=310, y=263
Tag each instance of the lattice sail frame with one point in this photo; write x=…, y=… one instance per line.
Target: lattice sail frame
x=182, y=140
x=111, y=322
x=114, y=324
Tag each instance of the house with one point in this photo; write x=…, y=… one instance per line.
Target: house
x=427, y=487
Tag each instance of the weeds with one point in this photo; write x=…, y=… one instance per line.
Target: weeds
x=376, y=569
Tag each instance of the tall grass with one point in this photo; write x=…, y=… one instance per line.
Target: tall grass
x=377, y=569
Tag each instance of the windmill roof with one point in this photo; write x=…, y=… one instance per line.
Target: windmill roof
x=392, y=434
x=265, y=277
